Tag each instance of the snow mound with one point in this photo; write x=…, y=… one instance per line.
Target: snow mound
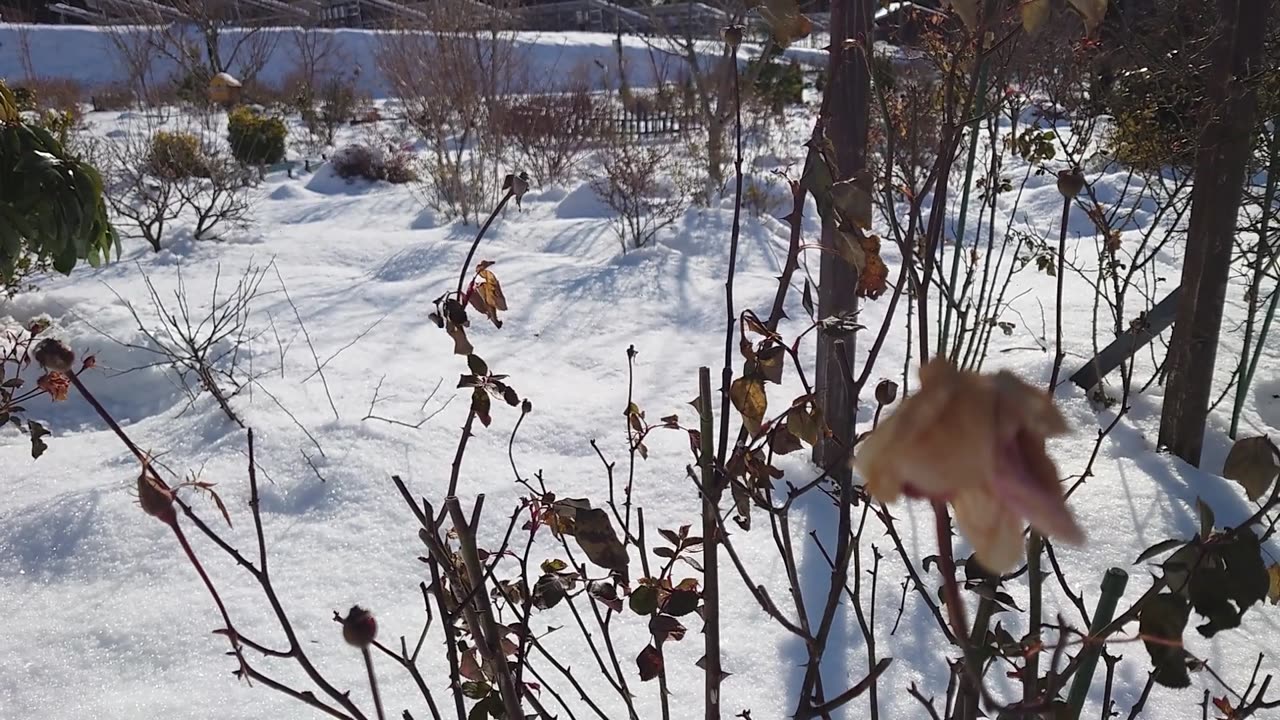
x=583, y=202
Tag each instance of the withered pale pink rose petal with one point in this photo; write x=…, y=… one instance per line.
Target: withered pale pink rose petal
x=976, y=441
x=993, y=530
x=1027, y=481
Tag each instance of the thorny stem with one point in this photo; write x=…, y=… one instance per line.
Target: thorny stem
x=726, y=376
x=170, y=519
x=462, y=276
x=295, y=649
x=492, y=640
x=450, y=635
x=951, y=589
x=663, y=695
x=373, y=682
x=710, y=551
x=836, y=702
x=840, y=571
x=1035, y=582
x=1059, y=353
x=462, y=449
x=632, y=446
x=794, y=221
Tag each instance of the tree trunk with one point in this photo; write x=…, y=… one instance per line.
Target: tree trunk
x=1226, y=141
x=846, y=113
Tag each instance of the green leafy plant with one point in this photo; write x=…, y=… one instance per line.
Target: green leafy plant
x=51, y=203
x=778, y=83
x=255, y=139
x=176, y=156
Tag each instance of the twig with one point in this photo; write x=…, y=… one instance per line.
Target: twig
x=292, y=417
x=836, y=702
x=344, y=348
x=462, y=276
x=307, y=336
x=413, y=426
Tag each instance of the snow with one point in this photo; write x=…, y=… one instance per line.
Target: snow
x=90, y=55
x=106, y=619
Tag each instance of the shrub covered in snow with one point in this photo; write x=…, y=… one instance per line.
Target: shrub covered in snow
x=359, y=160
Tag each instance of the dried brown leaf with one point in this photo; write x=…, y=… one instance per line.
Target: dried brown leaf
x=1034, y=13
x=597, y=538
x=1253, y=462
x=748, y=396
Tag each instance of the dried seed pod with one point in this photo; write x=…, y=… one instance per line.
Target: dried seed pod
x=1070, y=182
x=359, y=628
x=733, y=36
x=886, y=392
x=54, y=355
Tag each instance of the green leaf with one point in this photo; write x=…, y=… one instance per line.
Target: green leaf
x=680, y=603
x=38, y=432
x=782, y=441
x=649, y=662
x=478, y=367
x=476, y=690
x=480, y=405
x=1205, y=513
x=554, y=565
x=644, y=600
x=1159, y=548
x=1223, y=591
x=665, y=627
x=1163, y=619
x=548, y=592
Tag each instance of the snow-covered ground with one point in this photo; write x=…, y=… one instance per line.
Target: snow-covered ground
x=107, y=619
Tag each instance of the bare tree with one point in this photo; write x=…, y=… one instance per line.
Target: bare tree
x=452, y=76
x=149, y=204
x=219, y=201
x=1225, y=146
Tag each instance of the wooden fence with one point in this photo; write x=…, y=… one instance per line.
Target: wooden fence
x=592, y=117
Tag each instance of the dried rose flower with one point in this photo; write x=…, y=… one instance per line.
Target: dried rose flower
x=977, y=442
x=54, y=355
x=56, y=384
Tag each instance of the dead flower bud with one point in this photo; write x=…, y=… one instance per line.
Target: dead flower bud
x=977, y=442
x=733, y=36
x=518, y=184
x=1070, y=182
x=155, y=497
x=359, y=628
x=56, y=384
x=886, y=392
x=54, y=355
